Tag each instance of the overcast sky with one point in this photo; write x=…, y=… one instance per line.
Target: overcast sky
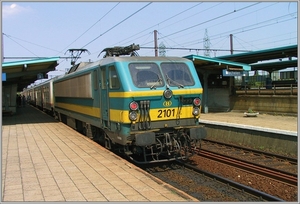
x=44, y=29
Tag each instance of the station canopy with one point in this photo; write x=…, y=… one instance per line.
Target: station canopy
x=23, y=73
x=216, y=63
x=268, y=59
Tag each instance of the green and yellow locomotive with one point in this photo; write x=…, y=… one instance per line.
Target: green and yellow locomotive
x=146, y=106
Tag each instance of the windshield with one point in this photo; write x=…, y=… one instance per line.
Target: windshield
x=177, y=74
x=146, y=75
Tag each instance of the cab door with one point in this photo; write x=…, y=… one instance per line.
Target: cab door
x=104, y=98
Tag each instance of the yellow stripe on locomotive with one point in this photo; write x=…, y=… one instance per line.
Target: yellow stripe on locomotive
x=160, y=114
x=121, y=116
x=156, y=114
x=154, y=93
x=86, y=110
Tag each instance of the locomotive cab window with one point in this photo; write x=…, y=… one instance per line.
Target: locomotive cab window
x=177, y=74
x=114, y=82
x=145, y=75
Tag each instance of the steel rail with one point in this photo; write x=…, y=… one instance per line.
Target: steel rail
x=283, y=177
x=289, y=159
x=234, y=184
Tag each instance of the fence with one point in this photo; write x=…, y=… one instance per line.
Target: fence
x=288, y=89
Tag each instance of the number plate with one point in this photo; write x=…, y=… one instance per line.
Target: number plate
x=166, y=113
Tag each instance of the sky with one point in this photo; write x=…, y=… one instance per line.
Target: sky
x=49, y=29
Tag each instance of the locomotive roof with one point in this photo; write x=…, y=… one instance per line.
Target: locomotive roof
x=142, y=58
x=108, y=60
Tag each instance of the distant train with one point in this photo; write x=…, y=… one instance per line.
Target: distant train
x=145, y=107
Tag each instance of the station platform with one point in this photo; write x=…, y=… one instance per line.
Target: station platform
x=267, y=121
x=45, y=160
x=276, y=134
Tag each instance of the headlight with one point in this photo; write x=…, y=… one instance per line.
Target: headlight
x=133, y=115
x=168, y=93
x=196, y=111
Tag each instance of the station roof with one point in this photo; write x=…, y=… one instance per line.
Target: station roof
x=23, y=73
x=275, y=66
x=216, y=63
x=256, y=58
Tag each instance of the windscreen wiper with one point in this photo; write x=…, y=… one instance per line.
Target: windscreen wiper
x=155, y=83
x=169, y=80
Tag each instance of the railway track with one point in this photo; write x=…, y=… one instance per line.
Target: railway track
x=245, y=149
x=203, y=185
x=275, y=162
x=193, y=183
x=282, y=176
x=271, y=173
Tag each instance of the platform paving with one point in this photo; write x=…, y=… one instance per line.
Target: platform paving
x=263, y=120
x=45, y=160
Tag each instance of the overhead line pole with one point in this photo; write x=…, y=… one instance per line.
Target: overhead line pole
x=231, y=44
x=155, y=43
x=2, y=48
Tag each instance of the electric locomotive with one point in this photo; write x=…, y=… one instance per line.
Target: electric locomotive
x=145, y=107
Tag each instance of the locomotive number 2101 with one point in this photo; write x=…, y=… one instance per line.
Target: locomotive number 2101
x=166, y=113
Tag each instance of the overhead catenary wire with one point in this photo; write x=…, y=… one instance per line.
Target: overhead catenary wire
x=168, y=36
x=192, y=15
x=153, y=26
x=117, y=24
x=217, y=49
x=148, y=33
x=222, y=23
x=239, y=30
x=245, y=29
x=197, y=49
x=268, y=38
x=192, y=7
x=223, y=15
x=235, y=31
x=206, y=21
x=91, y=26
x=12, y=38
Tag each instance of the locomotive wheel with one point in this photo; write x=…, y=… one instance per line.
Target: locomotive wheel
x=108, y=143
x=84, y=131
x=95, y=133
x=98, y=135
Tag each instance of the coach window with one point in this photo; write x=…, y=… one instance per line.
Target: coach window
x=95, y=80
x=103, y=77
x=113, y=78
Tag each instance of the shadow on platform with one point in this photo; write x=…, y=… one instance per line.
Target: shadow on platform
x=25, y=115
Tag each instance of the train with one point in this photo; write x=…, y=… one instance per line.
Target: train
x=144, y=107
